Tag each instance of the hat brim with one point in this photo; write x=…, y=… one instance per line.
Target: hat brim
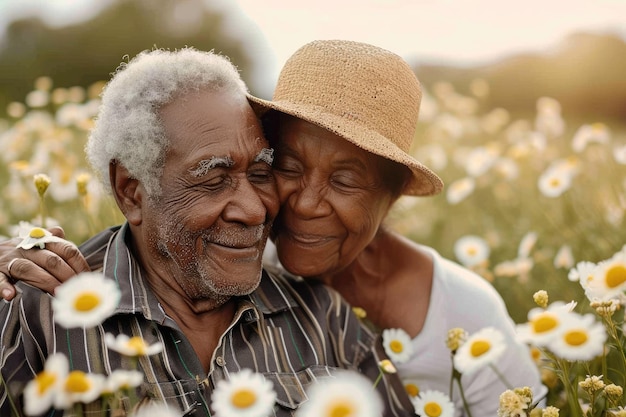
x=423, y=182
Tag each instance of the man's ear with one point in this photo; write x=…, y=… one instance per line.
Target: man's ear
x=128, y=193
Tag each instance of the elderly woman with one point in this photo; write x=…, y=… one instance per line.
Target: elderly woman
x=342, y=121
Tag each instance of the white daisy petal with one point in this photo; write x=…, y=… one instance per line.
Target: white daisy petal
x=244, y=394
x=481, y=349
x=608, y=278
x=38, y=237
x=471, y=250
x=460, y=189
x=580, y=338
x=79, y=387
x=121, y=379
x=131, y=346
x=397, y=345
x=554, y=182
x=433, y=404
x=41, y=391
x=346, y=394
x=156, y=410
x=543, y=324
x=85, y=300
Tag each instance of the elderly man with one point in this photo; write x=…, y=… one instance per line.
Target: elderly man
x=184, y=156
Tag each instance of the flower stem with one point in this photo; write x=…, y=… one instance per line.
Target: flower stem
x=14, y=410
x=457, y=376
x=42, y=211
x=501, y=376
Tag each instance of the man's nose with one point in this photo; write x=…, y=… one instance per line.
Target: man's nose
x=245, y=206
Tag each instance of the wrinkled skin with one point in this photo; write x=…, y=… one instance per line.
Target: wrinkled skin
x=333, y=200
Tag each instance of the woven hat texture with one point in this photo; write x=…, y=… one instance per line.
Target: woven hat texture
x=364, y=94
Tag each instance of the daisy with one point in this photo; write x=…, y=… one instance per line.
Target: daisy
x=38, y=237
x=582, y=272
x=79, y=387
x=554, y=182
x=471, y=250
x=480, y=160
x=543, y=324
x=507, y=168
x=526, y=244
x=581, y=338
x=346, y=394
x=433, y=404
x=131, y=346
x=619, y=154
x=85, y=301
x=596, y=132
x=397, y=345
x=460, y=189
x=412, y=387
x=156, y=410
x=121, y=379
x=564, y=257
x=608, y=278
x=481, y=349
x=245, y=394
x=40, y=392
x=517, y=267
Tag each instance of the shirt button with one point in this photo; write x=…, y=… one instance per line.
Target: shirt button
x=220, y=361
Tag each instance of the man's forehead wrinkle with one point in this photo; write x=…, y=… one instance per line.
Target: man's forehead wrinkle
x=205, y=165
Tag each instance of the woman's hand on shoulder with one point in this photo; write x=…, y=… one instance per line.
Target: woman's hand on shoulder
x=42, y=268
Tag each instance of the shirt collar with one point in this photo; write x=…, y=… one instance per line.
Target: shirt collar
x=271, y=296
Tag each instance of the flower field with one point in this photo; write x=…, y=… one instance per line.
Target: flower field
x=534, y=203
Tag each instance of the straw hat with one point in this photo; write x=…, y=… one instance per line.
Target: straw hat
x=365, y=94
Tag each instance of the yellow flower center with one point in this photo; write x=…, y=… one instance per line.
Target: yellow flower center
x=480, y=347
x=44, y=381
x=555, y=182
x=37, y=233
x=472, y=251
x=432, y=409
x=77, y=382
x=412, y=389
x=86, y=301
x=396, y=346
x=535, y=353
x=137, y=344
x=340, y=409
x=615, y=276
x=575, y=337
x=544, y=323
x=243, y=398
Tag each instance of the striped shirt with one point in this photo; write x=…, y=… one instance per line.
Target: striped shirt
x=291, y=331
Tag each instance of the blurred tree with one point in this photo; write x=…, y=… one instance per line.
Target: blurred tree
x=84, y=53
x=586, y=74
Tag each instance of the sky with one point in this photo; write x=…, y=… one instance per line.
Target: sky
x=457, y=32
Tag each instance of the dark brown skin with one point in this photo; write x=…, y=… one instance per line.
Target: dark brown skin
x=333, y=203
x=200, y=219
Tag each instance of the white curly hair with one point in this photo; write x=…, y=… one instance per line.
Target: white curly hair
x=128, y=129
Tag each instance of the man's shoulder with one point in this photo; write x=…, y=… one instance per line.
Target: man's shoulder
x=94, y=249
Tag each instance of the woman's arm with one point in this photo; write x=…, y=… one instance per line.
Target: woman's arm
x=42, y=268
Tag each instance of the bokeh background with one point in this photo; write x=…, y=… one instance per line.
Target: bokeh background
x=523, y=115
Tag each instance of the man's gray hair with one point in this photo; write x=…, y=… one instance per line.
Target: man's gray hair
x=128, y=129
